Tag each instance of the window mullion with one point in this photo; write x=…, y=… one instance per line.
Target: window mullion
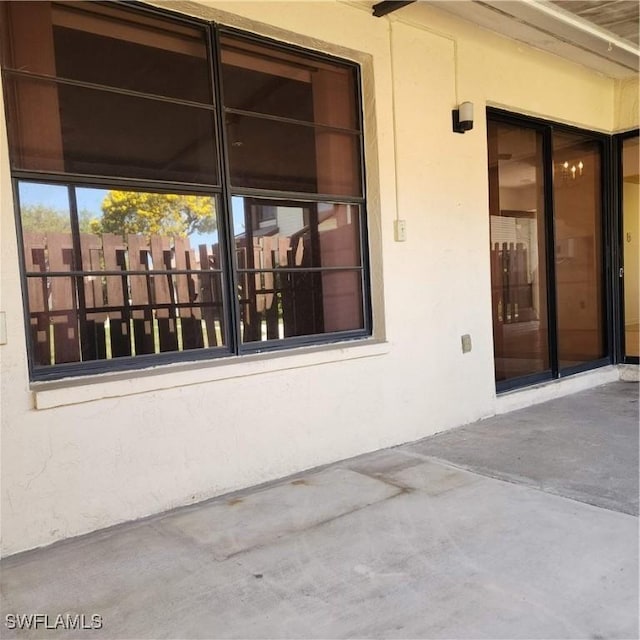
x=226, y=232
x=78, y=279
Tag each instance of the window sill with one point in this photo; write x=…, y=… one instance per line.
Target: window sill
x=70, y=391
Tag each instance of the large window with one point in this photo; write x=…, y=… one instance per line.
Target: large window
x=183, y=191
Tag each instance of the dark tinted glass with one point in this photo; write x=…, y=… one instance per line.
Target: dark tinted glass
x=518, y=274
x=577, y=196
x=265, y=154
x=89, y=131
x=109, y=45
x=296, y=234
x=279, y=304
x=281, y=240
x=264, y=93
x=264, y=79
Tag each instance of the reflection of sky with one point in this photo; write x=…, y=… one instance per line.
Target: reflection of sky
x=237, y=207
x=56, y=197
x=90, y=199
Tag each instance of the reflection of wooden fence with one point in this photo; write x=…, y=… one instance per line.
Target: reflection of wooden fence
x=511, y=291
x=278, y=301
x=53, y=312
x=138, y=295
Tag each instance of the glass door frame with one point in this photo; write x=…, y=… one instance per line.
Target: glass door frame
x=499, y=116
x=608, y=230
x=618, y=246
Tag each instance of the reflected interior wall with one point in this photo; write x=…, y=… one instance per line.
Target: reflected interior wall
x=631, y=237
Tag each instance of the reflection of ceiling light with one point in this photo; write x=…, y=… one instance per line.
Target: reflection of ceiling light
x=573, y=170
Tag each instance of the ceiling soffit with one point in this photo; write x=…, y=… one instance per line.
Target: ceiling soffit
x=601, y=35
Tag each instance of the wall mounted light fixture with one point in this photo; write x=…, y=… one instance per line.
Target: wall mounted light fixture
x=462, y=117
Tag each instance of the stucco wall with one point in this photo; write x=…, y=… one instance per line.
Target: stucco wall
x=106, y=450
x=626, y=109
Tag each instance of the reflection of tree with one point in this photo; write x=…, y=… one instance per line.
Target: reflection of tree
x=155, y=213
x=39, y=218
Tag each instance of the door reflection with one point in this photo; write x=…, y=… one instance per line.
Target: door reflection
x=578, y=249
x=518, y=277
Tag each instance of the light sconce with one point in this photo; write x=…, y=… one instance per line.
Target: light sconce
x=463, y=117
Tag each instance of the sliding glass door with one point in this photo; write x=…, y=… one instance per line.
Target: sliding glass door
x=577, y=206
x=547, y=268
x=518, y=251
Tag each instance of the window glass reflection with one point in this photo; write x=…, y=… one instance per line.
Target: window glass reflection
x=89, y=131
x=150, y=276
x=277, y=245
x=518, y=278
x=108, y=45
x=270, y=81
x=297, y=234
x=578, y=249
x=265, y=154
x=48, y=248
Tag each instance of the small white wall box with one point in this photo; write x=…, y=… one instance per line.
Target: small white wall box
x=400, y=230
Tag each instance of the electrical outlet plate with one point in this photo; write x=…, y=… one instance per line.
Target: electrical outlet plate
x=466, y=343
x=400, y=230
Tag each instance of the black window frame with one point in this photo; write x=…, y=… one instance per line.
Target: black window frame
x=223, y=192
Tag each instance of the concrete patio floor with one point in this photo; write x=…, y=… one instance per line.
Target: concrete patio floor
x=520, y=526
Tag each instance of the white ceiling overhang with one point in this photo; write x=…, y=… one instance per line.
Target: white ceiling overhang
x=577, y=34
